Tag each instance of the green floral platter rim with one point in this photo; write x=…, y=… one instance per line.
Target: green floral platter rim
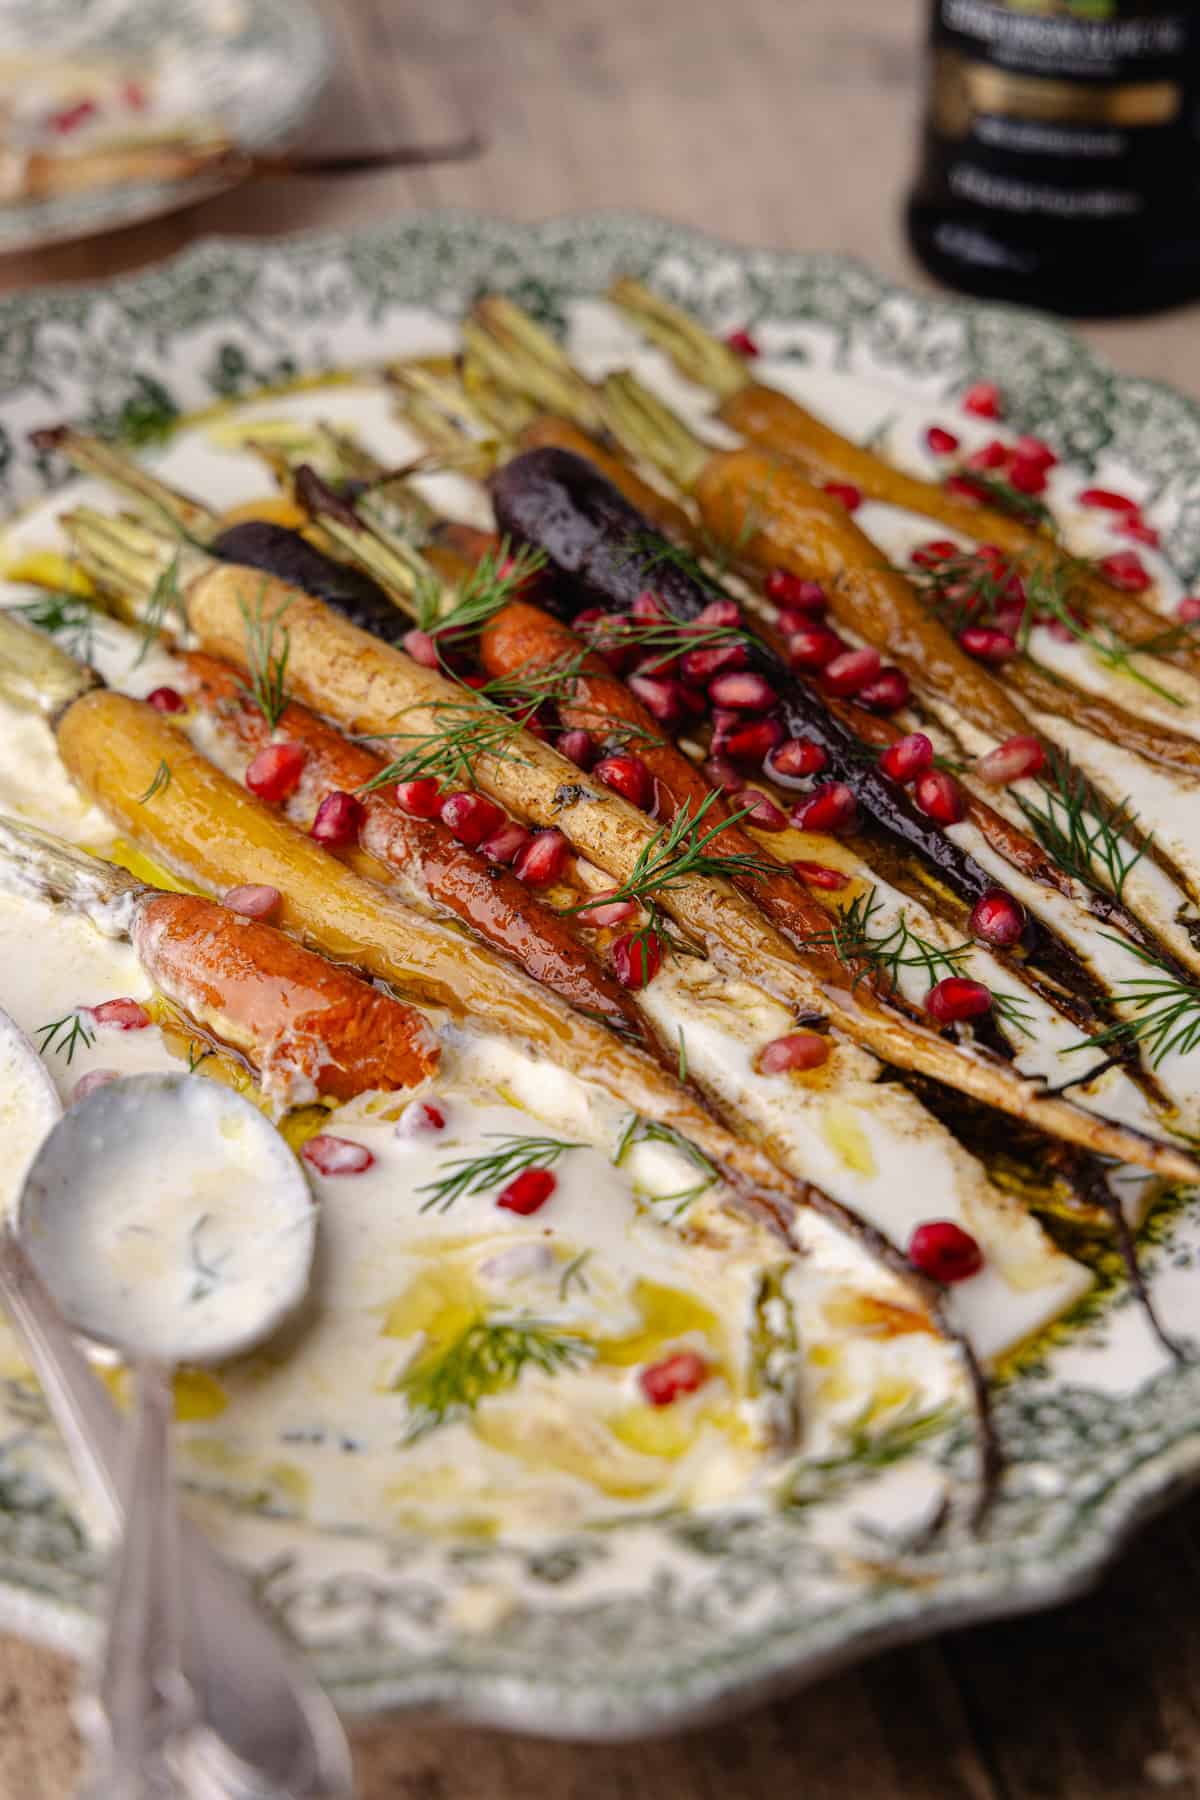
x=258, y=67
x=663, y=1619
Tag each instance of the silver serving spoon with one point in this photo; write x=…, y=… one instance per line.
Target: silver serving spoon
x=263, y=1728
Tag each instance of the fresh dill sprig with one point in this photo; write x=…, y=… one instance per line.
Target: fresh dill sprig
x=197, y=1053
x=1166, y=1009
x=639, y=1130
x=491, y=584
x=268, y=646
x=66, y=1035
x=1047, y=597
x=889, y=953
x=1009, y=499
x=466, y=729
x=1081, y=831
x=164, y=599
x=573, y=1275
x=679, y=850
x=162, y=779
x=476, y=1174
x=683, y=1057
x=207, y=1274
x=488, y=1356
x=66, y=617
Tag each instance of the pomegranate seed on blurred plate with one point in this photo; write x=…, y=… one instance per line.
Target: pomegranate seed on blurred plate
x=336, y=1155
x=944, y=1251
x=1015, y=758
x=956, y=999
x=798, y=1050
x=908, y=757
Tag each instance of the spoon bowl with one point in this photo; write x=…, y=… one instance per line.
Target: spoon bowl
x=169, y=1219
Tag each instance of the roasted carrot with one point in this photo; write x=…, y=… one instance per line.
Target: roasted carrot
x=777, y=423
x=483, y=895
x=308, y=1026
x=367, y=685
x=203, y=825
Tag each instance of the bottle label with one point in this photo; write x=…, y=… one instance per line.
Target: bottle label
x=1062, y=109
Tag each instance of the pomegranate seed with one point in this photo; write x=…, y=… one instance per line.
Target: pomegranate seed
x=1015, y=758
x=940, y=797
x=253, y=899
x=754, y=742
x=505, y=845
x=543, y=859
x=121, y=1015
x=846, y=673
x=798, y=1050
x=166, y=700
x=937, y=550
x=941, y=441
x=661, y=698
x=421, y=799
x=987, y=644
x=527, y=1192
x=794, y=592
x=626, y=775
x=578, y=747
x=820, y=875
x=470, y=817
x=998, y=919
x=1127, y=571
x=336, y=1155
x=70, y=118
x=983, y=399
x=422, y=648
x=1188, y=609
x=761, y=811
x=338, y=819
x=956, y=998
x=418, y=1118
x=846, y=493
x=637, y=958
x=908, y=757
x=944, y=1251
x=813, y=647
x=589, y=619
x=134, y=96
x=887, y=693
x=1139, y=531
x=275, y=772
x=663, y=1382
x=993, y=556
x=88, y=1084
x=648, y=609
x=1027, y=477
x=1107, y=500
x=741, y=341
x=1036, y=450
x=701, y=665
x=831, y=808
x=743, y=689
x=992, y=455
x=796, y=759
x=718, y=613
x=719, y=772
x=608, y=912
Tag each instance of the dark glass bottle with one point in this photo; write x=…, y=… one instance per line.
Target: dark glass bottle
x=1061, y=155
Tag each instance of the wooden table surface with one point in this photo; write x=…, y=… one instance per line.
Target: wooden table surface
x=782, y=122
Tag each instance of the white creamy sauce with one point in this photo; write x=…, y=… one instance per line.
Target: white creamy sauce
x=173, y=1224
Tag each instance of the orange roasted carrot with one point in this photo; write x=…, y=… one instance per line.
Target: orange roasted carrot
x=521, y=636
x=484, y=895
x=309, y=1026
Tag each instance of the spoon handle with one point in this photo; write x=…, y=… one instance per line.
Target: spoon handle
x=257, y=1700
x=142, y=1704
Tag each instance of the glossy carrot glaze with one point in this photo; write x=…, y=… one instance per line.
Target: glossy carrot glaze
x=310, y=1027
x=521, y=636
x=482, y=894
x=665, y=514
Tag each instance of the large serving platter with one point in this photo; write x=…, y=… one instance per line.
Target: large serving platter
x=665, y=1618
